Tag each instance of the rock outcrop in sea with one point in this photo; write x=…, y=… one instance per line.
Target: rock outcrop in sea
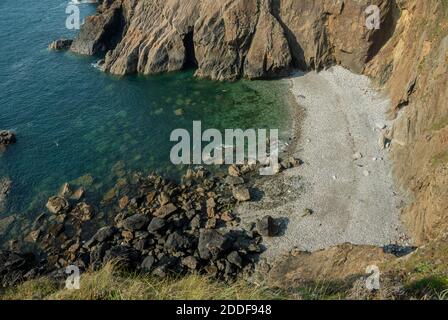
x=60, y=44
x=7, y=138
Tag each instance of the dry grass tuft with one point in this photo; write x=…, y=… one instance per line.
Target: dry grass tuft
x=110, y=284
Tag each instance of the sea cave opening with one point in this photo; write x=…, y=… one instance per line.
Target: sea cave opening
x=190, y=55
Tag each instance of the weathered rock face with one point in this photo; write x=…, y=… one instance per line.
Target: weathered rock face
x=231, y=38
x=101, y=32
x=413, y=66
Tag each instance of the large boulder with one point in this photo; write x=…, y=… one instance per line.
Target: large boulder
x=60, y=44
x=136, y=222
x=83, y=211
x=156, y=225
x=104, y=234
x=267, y=227
x=7, y=138
x=165, y=211
x=212, y=244
x=148, y=263
x=57, y=205
x=177, y=242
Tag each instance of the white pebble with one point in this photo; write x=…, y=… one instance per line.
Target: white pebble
x=357, y=156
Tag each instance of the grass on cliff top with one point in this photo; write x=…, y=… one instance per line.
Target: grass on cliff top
x=108, y=284
x=421, y=275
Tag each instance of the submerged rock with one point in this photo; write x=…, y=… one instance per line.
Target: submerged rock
x=123, y=202
x=5, y=223
x=5, y=186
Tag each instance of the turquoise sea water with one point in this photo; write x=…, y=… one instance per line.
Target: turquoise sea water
x=72, y=120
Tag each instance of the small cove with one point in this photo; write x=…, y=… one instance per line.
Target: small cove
x=77, y=124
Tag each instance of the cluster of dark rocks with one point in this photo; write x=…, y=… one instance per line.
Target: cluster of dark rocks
x=7, y=138
x=149, y=224
x=153, y=225
x=17, y=267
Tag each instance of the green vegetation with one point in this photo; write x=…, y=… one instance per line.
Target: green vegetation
x=432, y=287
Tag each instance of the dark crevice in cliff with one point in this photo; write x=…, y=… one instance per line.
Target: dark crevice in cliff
x=117, y=30
x=190, y=54
x=297, y=53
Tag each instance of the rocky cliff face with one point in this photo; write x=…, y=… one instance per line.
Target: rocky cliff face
x=230, y=39
x=412, y=66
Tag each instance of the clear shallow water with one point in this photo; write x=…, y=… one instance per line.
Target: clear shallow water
x=72, y=120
